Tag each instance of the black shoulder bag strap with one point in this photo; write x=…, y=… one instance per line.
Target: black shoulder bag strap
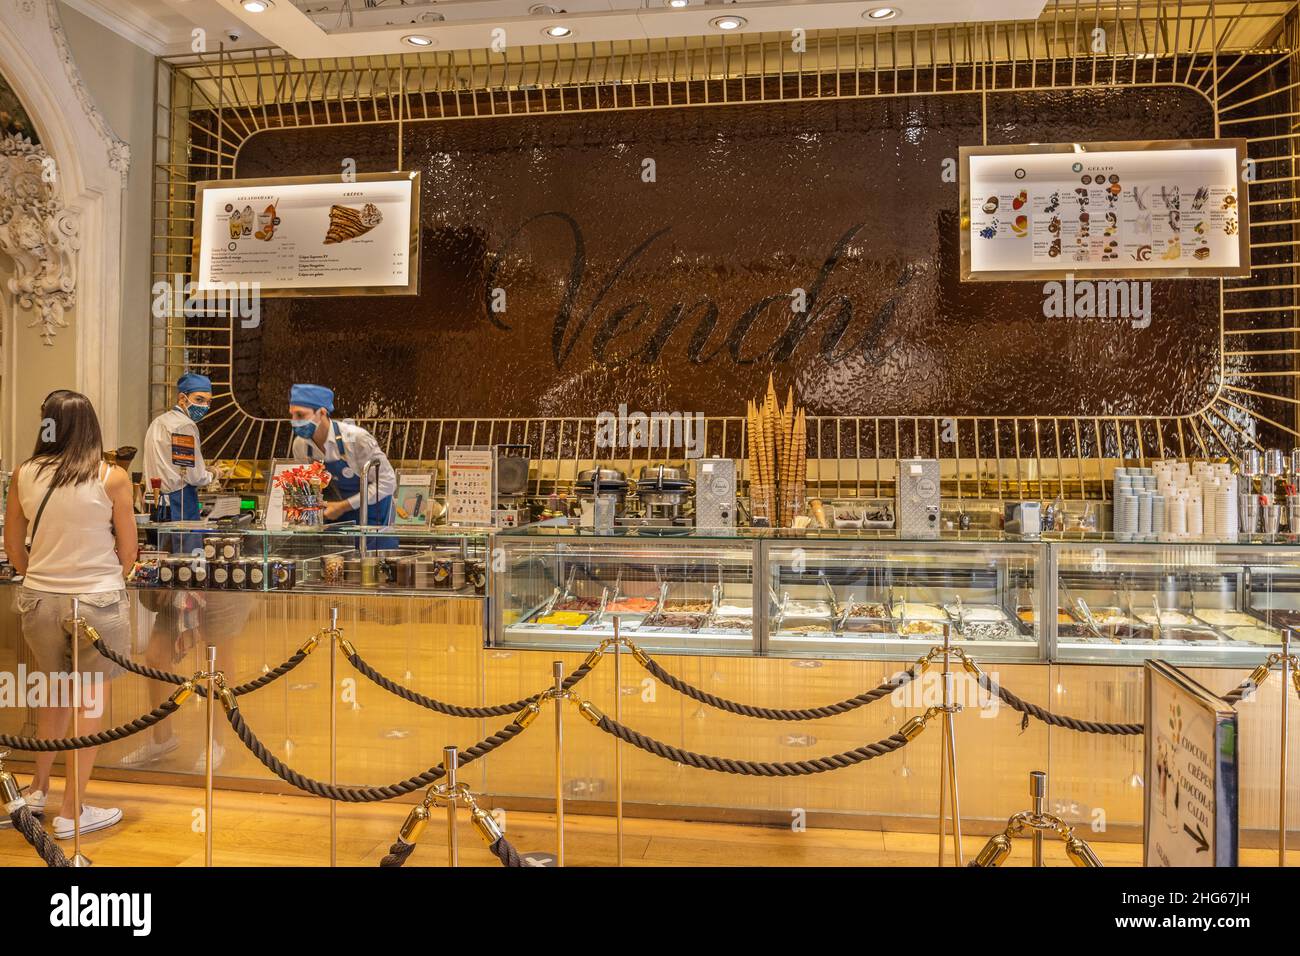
x=36, y=522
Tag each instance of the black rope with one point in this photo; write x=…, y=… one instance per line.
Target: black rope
x=361, y=794
x=398, y=854
x=772, y=713
x=456, y=710
x=25, y=822
x=1056, y=720
x=790, y=768
x=504, y=851
x=120, y=732
x=169, y=677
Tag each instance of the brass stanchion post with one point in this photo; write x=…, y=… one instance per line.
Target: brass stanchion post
x=948, y=790
x=450, y=762
x=558, y=669
x=618, y=748
x=1038, y=793
x=207, y=773
x=334, y=733
x=78, y=858
x=1282, y=765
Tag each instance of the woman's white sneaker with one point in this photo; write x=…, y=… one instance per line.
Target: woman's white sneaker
x=92, y=819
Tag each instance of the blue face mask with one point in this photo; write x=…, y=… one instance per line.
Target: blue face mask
x=305, y=429
x=196, y=412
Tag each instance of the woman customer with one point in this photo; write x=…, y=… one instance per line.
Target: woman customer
x=70, y=531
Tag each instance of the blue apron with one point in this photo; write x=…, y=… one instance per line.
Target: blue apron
x=348, y=483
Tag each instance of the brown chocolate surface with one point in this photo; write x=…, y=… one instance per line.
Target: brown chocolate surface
x=674, y=294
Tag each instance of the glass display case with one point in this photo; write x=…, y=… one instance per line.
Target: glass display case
x=563, y=587
x=1188, y=603
x=830, y=596
x=427, y=562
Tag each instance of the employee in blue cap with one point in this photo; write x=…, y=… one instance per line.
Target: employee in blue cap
x=345, y=449
x=172, y=453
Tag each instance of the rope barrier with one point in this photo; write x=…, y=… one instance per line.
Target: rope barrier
x=170, y=677
x=120, y=732
x=364, y=794
x=504, y=851
x=451, y=710
x=751, y=768
x=25, y=822
x=771, y=713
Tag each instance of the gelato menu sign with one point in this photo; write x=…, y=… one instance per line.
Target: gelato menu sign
x=309, y=235
x=1105, y=210
x=1190, y=815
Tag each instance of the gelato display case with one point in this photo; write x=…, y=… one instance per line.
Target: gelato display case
x=559, y=587
x=1190, y=604
x=861, y=594
x=880, y=597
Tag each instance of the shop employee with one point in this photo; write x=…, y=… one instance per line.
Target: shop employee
x=171, y=448
x=345, y=449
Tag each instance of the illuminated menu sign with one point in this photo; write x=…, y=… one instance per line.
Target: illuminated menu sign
x=309, y=235
x=1105, y=210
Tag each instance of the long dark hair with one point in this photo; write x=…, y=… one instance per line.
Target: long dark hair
x=69, y=438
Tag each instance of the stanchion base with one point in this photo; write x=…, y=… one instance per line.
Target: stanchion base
x=81, y=860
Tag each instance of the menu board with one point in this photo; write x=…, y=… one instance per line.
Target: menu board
x=1190, y=814
x=471, y=486
x=309, y=235
x=1105, y=210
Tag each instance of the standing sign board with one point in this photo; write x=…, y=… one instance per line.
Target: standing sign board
x=471, y=486
x=1190, y=814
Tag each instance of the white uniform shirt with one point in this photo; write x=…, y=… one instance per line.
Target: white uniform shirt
x=166, y=445
x=359, y=447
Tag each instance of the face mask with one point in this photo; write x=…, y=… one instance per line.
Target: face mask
x=196, y=412
x=305, y=429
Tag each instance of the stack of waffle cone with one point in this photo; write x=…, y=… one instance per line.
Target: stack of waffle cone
x=777, y=446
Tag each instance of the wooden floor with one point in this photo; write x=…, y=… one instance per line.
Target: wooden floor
x=163, y=828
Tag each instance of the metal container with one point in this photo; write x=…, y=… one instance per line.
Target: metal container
x=916, y=497
x=1274, y=464
x=609, y=483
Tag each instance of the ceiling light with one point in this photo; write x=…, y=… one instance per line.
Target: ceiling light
x=881, y=13
x=558, y=32
x=677, y=3
x=416, y=40
x=541, y=9
x=257, y=6
x=728, y=23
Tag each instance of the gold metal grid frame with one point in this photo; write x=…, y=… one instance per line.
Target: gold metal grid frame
x=1240, y=56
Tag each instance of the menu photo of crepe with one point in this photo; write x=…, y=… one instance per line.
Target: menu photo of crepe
x=348, y=223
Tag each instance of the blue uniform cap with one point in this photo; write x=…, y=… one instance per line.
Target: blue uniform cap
x=312, y=396
x=193, y=382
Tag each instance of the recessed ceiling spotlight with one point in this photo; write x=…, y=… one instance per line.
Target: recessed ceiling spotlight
x=558, y=32
x=541, y=10
x=416, y=40
x=677, y=3
x=881, y=13
x=257, y=6
x=728, y=23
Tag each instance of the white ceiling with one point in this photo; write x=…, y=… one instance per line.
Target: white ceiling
x=326, y=28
